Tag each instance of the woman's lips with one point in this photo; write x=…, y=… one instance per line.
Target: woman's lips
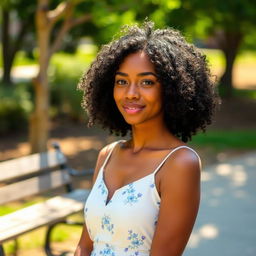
x=133, y=108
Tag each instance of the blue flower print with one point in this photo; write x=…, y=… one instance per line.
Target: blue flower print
x=85, y=212
x=135, y=241
x=108, y=251
x=152, y=185
x=156, y=220
x=93, y=253
x=106, y=224
x=131, y=196
x=102, y=187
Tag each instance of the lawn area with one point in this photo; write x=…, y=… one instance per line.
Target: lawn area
x=221, y=140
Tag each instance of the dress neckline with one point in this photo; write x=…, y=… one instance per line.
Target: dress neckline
x=122, y=187
x=148, y=175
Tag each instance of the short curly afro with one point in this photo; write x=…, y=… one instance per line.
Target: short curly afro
x=189, y=95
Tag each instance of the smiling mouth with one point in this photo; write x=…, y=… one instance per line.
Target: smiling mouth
x=132, y=109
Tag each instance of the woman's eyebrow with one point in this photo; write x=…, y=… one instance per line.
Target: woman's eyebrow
x=147, y=74
x=121, y=73
x=140, y=74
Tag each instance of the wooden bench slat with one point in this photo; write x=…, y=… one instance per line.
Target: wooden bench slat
x=29, y=164
x=41, y=214
x=33, y=186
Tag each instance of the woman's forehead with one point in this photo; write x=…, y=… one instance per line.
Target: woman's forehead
x=138, y=62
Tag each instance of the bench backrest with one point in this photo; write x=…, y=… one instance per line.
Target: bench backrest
x=33, y=174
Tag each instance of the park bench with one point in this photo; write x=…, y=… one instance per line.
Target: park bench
x=34, y=175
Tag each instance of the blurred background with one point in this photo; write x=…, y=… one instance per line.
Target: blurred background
x=46, y=45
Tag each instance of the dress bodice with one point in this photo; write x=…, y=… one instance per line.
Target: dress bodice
x=125, y=225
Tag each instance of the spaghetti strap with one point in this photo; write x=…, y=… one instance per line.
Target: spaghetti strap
x=172, y=151
x=110, y=152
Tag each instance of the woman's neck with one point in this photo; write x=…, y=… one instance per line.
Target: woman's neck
x=152, y=138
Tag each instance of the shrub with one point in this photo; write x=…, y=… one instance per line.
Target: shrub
x=65, y=72
x=15, y=106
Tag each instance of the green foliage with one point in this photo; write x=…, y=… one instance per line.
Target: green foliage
x=65, y=72
x=221, y=140
x=21, y=59
x=15, y=106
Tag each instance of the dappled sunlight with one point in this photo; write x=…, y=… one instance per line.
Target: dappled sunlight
x=239, y=176
x=207, y=231
x=226, y=220
x=74, y=145
x=236, y=173
x=21, y=149
x=224, y=169
x=206, y=176
x=214, y=202
x=218, y=191
x=240, y=194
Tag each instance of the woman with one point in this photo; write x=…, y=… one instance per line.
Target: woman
x=146, y=191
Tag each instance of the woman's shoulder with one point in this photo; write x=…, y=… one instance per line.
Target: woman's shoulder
x=105, y=151
x=183, y=162
x=102, y=156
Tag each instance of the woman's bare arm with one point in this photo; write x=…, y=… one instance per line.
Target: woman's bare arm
x=180, y=197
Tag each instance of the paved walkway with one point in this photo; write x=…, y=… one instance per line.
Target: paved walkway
x=226, y=223
x=23, y=73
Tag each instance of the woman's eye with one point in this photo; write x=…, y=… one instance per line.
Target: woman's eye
x=147, y=82
x=121, y=82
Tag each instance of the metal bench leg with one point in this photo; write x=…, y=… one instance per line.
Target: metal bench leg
x=2, y=250
x=47, y=246
x=16, y=247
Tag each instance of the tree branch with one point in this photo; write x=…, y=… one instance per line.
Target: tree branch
x=54, y=15
x=58, y=39
x=66, y=26
x=81, y=20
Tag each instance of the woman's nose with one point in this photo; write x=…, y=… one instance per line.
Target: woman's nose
x=132, y=91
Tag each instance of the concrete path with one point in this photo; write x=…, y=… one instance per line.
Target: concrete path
x=226, y=223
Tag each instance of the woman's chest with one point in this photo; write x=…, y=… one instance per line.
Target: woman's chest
x=124, y=169
x=130, y=206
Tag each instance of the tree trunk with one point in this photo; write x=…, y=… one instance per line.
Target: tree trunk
x=45, y=20
x=39, y=121
x=6, y=79
x=229, y=44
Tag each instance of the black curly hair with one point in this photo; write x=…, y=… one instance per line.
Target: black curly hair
x=189, y=95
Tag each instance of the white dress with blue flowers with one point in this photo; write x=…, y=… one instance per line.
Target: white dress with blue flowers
x=125, y=225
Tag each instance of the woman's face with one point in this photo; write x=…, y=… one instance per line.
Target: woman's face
x=137, y=91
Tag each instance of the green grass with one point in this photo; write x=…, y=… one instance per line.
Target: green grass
x=22, y=60
x=249, y=94
x=221, y=140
